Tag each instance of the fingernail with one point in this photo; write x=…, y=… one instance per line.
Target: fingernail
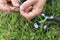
x=21, y=8
x=17, y=5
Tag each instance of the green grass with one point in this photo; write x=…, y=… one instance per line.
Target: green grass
x=15, y=27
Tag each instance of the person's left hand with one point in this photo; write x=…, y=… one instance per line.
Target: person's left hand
x=31, y=8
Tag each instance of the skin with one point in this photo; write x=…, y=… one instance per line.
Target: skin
x=28, y=11
x=9, y=5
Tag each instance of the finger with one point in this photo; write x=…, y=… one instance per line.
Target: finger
x=37, y=9
x=27, y=4
x=3, y=2
x=15, y=3
x=34, y=13
x=13, y=9
x=28, y=9
x=40, y=3
x=4, y=8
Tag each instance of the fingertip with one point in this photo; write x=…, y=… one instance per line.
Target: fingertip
x=15, y=3
x=22, y=8
x=14, y=9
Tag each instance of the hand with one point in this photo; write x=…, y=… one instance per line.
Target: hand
x=9, y=5
x=31, y=8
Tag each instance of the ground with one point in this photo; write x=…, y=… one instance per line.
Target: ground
x=15, y=27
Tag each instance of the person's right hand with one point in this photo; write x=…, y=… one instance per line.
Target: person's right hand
x=9, y=5
x=31, y=8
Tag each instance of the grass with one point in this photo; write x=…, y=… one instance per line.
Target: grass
x=15, y=27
